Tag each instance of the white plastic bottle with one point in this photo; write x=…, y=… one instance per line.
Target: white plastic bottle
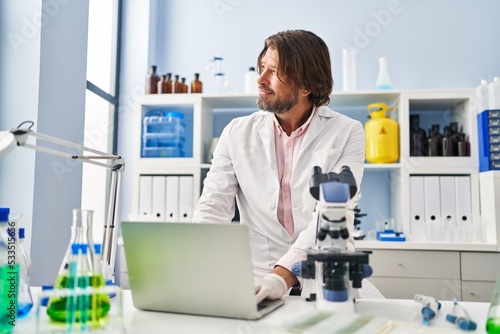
x=482, y=96
x=348, y=70
x=494, y=92
x=251, y=86
x=383, y=80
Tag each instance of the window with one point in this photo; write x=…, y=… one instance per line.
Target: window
x=101, y=103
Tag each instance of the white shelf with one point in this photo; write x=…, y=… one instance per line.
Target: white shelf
x=390, y=181
x=382, y=167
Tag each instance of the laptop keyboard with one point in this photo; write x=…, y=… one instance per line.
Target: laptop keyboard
x=263, y=304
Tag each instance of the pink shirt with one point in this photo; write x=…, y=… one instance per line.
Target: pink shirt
x=287, y=150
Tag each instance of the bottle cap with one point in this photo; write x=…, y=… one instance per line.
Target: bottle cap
x=4, y=214
x=74, y=248
x=21, y=233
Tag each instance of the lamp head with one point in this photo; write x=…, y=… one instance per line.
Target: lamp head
x=7, y=142
x=14, y=137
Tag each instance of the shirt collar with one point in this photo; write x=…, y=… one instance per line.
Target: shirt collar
x=299, y=131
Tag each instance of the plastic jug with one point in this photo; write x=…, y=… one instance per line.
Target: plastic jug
x=381, y=133
x=163, y=135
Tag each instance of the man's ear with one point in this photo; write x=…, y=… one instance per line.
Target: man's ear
x=305, y=92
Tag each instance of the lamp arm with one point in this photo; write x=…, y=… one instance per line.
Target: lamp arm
x=117, y=167
x=84, y=158
x=22, y=137
x=110, y=235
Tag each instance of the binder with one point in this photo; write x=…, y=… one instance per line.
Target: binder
x=417, y=209
x=447, y=199
x=158, y=200
x=432, y=199
x=463, y=199
x=172, y=199
x=185, y=198
x=145, y=196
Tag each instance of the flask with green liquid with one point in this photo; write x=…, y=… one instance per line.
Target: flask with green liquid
x=94, y=306
x=493, y=319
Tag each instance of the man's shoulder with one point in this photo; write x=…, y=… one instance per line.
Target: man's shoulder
x=327, y=113
x=252, y=118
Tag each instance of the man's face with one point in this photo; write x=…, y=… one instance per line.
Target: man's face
x=274, y=95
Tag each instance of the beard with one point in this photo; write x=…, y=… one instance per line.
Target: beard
x=280, y=104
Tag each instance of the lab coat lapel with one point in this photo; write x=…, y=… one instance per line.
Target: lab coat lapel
x=315, y=128
x=266, y=132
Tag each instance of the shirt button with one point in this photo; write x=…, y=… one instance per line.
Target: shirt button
x=271, y=206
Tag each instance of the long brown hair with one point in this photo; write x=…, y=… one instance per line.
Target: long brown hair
x=304, y=60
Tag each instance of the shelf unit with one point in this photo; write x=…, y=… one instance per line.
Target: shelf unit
x=385, y=187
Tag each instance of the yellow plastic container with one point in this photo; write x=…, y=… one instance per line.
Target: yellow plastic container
x=381, y=132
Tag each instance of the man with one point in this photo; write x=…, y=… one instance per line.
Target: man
x=265, y=160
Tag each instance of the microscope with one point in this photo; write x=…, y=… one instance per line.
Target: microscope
x=337, y=271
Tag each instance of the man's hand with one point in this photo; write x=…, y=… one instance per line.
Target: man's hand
x=272, y=286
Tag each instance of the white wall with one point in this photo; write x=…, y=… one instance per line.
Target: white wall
x=429, y=44
x=44, y=80
x=20, y=67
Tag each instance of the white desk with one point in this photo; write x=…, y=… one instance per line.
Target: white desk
x=137, y=321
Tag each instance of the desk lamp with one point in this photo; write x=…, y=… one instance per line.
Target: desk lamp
x=19, y=137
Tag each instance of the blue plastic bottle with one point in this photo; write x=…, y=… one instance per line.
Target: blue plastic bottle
x=24, y=298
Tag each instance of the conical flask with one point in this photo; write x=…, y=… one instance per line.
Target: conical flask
x=82, y=241
x=100, y=302
x=493, y=318
x=81, y=219
x=58, y=308
x=383, y=80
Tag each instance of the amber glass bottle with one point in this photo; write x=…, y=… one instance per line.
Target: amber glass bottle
x=448, y=143
x=152, y=81
x=168, y=83
x=418, y=138
x=196, y=84
x=184, y=86
x=162, y=88
x=176, y=85
x=463, y=146
x=435, y=141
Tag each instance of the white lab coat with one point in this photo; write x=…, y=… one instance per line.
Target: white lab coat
x=244, y=165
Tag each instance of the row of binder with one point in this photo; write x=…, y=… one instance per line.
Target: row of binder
x=166, y=198
x=439, y=199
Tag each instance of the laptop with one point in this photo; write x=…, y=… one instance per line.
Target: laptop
x=202, y=269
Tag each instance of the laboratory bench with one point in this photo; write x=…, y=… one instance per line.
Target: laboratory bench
x=406, y=314
x=447, y=271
